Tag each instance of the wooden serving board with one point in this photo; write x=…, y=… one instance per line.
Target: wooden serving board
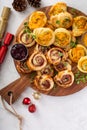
x=18, y=86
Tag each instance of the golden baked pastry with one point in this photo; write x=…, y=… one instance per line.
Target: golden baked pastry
x=82, y=64
x=37, y=61
x=84, y=39
x=62, y=20
x=55, y=55
x=77, y=52
x=25, y=38
x=79, y=25
x=42, y=49
x=64, y=78
x=44, y=82
x=48, y=69
x=22, y=67
x=37, y=19
x=62, y=37
x=44, y=36
x=63, y=65
x=58, y=8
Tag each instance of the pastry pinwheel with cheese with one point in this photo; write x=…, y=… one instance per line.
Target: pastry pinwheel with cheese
x=62, y=37
x=25, y=38
x=63, y=65
x=55, y=55
x=77, y=52
x=48, y=69
x=57, y=8
x=44, y=82
x=79, y=25
x=44, y=36
x=82, y=64
x=62, y=20
x=64, y=78
x=37, y=19
x=37, y=61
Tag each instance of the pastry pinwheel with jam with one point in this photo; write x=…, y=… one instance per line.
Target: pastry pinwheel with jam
x=63, y=65
x=62, y=37
x=62, y=20
x=37, y=61
x=48, y=70
x=55, y=55
x=79, y=25
x=44, y=36
x=37, y=19
x=57, y=8
x=64, y=78
x=25, y=38
x=44, y=82
x=77, y=52
x=82, y=64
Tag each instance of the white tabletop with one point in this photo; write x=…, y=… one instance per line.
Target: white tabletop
x=53, y=113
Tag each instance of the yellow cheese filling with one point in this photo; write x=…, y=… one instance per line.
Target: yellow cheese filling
x=45, y=37
x=62, y=38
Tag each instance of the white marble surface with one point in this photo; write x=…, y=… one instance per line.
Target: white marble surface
x=53, y=113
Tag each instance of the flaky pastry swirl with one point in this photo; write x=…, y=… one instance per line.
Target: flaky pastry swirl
x=62, y=37
x=64, y=78
x=57, y=8
x=44, y=82
x=48, y=70
x=79, y=25
x=62, y=20
x=37, y=61
x=37, y=19
x=63, y=65
x=44, y=36
x=82, y=64
x=26, y=39
x=77, y=52
x=55, y=55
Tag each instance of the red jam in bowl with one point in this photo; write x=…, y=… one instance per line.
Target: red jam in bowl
x=19, y=52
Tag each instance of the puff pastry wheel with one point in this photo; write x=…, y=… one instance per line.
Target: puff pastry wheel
x=44, y=82
x=64, y=78
x=79, y=25
x=37, y=61
x=26, y=39
x=48, y=69
x=77, y=52
x=82, y=64
x=42, y=49
x=55, y=55
x=22, y=67
x=44, y=36
x=37, y=19
x=62, y=20
x=58, y=8
x=63, y=65
x=62, y=37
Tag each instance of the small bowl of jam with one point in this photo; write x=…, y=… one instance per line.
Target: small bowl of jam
x=19, y=52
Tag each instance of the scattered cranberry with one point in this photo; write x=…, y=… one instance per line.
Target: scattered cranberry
x=32, y=108
x=26, y=101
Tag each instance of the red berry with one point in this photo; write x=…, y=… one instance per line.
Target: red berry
x=26, y=101
x=32, y=108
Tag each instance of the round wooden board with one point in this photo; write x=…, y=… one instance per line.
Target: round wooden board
x=56, y=91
